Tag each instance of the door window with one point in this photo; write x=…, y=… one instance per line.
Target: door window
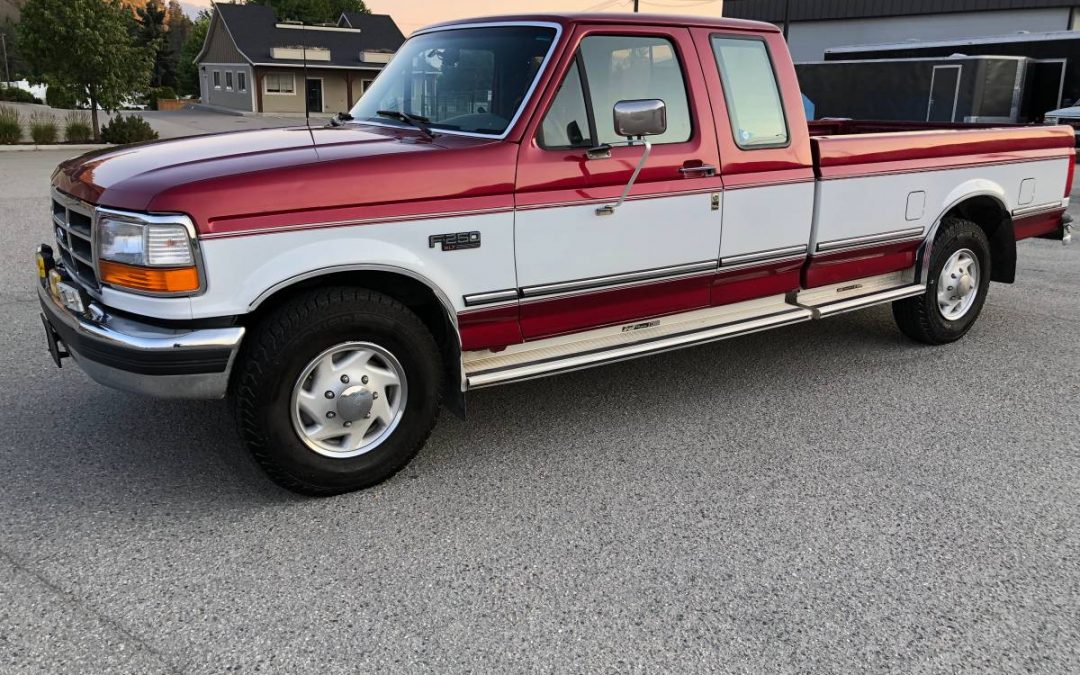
x=566, y=124
x=620, y=68
x=753, y=99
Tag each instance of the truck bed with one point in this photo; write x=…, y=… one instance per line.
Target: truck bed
x=860, y=148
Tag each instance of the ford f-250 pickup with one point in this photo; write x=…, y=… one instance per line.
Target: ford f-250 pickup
x=517, y=197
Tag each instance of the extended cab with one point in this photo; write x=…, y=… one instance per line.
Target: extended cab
x=517, y=197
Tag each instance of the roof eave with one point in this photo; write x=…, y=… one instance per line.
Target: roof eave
x=218, y=16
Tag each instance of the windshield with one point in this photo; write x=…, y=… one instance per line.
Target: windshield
x=470, y=79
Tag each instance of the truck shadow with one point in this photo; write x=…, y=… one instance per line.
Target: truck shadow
x=133, y=450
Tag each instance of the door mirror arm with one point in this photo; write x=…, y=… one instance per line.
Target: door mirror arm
x=609, y=209
x=634, y=120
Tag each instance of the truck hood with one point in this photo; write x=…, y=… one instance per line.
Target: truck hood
x=217, y=179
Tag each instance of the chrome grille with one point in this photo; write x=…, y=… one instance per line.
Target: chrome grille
x=72, y=222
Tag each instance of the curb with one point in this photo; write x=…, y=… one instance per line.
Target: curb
x=32, y=148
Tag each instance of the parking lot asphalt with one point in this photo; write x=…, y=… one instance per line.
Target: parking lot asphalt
x=827, y=497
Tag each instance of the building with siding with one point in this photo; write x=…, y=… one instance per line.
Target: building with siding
x=817, y=25
x=251, y=62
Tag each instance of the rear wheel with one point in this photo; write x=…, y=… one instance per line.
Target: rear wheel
x=956, y=289
x=338, y=390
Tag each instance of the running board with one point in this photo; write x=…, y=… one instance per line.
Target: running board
x=599, y=346
x=850, y=304
x=619, y=343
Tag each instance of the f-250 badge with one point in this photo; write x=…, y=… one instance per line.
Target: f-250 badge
x=455, y=240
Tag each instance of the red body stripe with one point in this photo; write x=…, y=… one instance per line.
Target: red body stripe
x=489, y=328
x=1036, y=224
x=758, y=281
x=497, y=327
x=572, y=313
x=832, y=268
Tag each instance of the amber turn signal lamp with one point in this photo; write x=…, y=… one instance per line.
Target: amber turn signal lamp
x=152, y=279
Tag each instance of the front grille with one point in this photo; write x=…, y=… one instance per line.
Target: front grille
x=72, y=221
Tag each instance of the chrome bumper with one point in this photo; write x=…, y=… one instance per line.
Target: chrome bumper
x=141, y=358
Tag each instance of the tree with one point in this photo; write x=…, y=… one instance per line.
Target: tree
x=312, y=11
x=177, y=31
x=187, y=71
x=86, y=45
x=14, y=64
x=150, y=34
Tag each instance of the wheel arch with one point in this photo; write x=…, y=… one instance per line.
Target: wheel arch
x=410, y=288
x=983, y=203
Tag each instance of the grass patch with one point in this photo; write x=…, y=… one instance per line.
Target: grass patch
x=43, y=128
x=10, y=125
x=77, y=127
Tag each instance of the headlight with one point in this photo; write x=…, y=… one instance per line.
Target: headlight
x=154, y=254
x=1050, y=120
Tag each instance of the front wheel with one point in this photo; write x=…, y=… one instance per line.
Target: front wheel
x=338, y=390
x=956, y=289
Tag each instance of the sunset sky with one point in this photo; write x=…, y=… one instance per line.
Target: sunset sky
x=412, y=14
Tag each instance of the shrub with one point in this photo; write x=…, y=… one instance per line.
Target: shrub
x=43, y=128
x=77, y=127
x=58, y=96
x=152, y=96
x=10, y=125
x=16, y=95
x=130, y=129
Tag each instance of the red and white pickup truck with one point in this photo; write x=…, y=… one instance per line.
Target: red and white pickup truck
x=516, y=197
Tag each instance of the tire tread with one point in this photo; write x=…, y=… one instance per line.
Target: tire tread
x=268, y=339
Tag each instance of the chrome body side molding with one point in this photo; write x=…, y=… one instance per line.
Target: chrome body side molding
x=874, y=239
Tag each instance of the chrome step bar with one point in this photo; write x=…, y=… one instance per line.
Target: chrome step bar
x=850, y=304
x=618, y=343
x=600, y=346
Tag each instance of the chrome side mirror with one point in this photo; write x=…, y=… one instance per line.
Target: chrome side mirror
x=634, y=120
x=643, y=117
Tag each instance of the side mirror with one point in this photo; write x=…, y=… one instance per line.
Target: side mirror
x=634, y=120
x=642, y=117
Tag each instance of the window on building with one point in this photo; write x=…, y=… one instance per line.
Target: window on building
x=228, y=79
x=751, y=92
x=280, y=83
x=566, y=124
x=217, y=79
x=241, y=81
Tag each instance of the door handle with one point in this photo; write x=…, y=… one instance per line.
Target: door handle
x=703, y=170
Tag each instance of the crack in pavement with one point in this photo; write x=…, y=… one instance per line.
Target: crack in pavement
x=81, y=606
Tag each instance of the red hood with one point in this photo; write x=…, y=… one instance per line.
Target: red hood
x=327, y=173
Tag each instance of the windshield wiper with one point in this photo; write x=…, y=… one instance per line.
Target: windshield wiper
x=418, y=121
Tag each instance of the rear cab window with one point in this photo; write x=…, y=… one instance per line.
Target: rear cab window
x=608, y=69
x=751, y=92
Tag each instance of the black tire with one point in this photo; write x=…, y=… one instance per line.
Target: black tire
x=281, y=346
x=919, y=317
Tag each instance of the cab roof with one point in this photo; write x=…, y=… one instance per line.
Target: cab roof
x=624, y=19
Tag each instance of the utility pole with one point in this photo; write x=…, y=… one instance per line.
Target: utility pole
x=635, y=6
x=787, y=15
x=7, y=70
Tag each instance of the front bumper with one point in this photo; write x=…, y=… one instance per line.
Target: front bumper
x=138, y=357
